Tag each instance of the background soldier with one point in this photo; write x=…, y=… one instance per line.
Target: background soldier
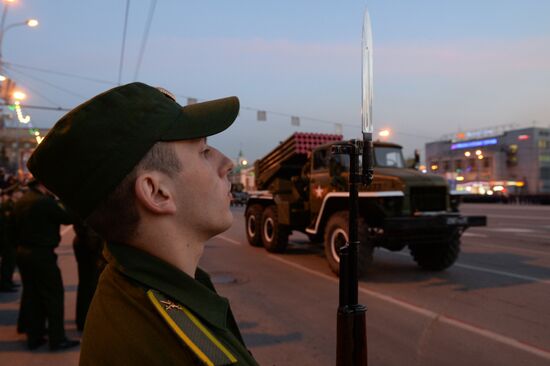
x=7, y=241
x=38, y=217
x=88, y=248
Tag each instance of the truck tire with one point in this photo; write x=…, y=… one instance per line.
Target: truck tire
x=336, y=235
x=436, y=257
x=253, y=220
x=274, y=235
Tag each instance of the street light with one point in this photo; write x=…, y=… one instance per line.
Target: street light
x=19, y=95
x=3, y=29
x=384, y=133
x=32, y=23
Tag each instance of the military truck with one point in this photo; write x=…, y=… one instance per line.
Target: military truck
x=303, y=187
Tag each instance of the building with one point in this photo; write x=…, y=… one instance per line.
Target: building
x=494, y=161
x=242, y=175
x=17, y=145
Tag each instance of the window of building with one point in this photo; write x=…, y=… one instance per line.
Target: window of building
x=446, y=165
x=458, y=164
x=544, y=144
x=471, y=164
x=545, y=173
x=486, y=163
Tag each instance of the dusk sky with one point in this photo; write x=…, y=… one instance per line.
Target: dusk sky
x=439, y=66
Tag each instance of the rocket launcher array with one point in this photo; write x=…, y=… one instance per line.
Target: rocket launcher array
x=288, y=159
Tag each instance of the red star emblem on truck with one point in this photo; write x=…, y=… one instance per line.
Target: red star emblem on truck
x=319, y=191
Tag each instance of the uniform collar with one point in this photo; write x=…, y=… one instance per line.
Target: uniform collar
x=198, y=294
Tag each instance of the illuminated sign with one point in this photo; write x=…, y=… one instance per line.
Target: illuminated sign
x=471, y=135
x=523, y=137
x=469, y=144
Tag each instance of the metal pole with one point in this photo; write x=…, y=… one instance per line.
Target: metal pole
x=2, y=22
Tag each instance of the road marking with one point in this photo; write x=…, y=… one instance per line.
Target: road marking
x=492, y=271
x=544, y=236
x=512, y=342
x=510, y=230
x=229, y=240
x=504, y=247
x=474, y=235
x=518, y=217
x=466, y=266
x=499, y=207
x=503, y=273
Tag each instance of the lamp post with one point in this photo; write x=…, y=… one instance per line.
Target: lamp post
x=3, y=28
x=17, y=97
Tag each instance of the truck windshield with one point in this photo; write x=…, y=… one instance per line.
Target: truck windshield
x=388, y=157
x=384, y=157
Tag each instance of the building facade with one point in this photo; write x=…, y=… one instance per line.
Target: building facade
x=16, y=146
x=514, y=161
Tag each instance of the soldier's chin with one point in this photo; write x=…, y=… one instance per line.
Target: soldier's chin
x=225, y=223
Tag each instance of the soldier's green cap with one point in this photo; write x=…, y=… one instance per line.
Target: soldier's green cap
x=93, y=147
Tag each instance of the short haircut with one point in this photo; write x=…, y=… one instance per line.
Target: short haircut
x=116, y=218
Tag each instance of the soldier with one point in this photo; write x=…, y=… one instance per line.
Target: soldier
x=137, y=167
x=38, y=217
x=7, y=242
x=88, y=247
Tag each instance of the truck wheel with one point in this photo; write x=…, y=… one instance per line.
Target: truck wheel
x=274, y=235
x=336, y=236
x=253, y=219
x=436, y=257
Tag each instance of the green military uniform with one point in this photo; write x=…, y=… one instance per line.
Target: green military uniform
x=150, y=313
x=7, y=244
x=37, y=218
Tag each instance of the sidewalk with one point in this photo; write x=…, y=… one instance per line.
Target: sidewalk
x=13, y=350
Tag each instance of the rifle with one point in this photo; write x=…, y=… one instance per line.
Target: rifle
x=351, y=343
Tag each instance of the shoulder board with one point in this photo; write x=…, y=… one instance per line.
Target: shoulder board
x=191, y=331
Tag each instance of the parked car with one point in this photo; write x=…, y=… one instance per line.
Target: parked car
x=239, y=198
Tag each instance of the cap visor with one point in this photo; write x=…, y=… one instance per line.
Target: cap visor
x=203, y=119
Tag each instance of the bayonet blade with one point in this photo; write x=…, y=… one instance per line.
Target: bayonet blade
x=367, y=75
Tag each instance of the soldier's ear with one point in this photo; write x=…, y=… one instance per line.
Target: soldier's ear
x=153, y=193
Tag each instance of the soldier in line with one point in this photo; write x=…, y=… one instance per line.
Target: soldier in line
x=38, y=217
x=136, y=166
x=88, y=248
x=7, y=241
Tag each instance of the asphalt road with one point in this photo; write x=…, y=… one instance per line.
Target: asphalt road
x=490, y=308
